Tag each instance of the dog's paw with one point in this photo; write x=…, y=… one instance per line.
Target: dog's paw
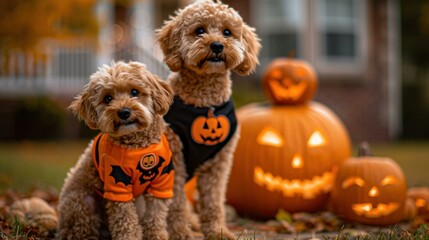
x=225, y=234
x=181, y=236
x=151, y=234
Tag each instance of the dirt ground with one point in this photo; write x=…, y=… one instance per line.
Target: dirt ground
x=322, y=225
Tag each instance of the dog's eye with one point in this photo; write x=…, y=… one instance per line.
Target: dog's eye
x=200, y=31
x=227, y=32
x=108, y=99
x=134, y=93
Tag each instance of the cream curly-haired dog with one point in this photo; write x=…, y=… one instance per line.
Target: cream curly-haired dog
x=129, y=158
x=202, y=43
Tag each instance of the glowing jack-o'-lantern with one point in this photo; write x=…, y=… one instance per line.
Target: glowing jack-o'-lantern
x=286, y=158
x=420, y=197
x=370, y=190
x=289, y=81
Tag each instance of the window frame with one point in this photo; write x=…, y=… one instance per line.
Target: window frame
x=310, y=42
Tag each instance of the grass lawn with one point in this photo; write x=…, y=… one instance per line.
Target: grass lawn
x=25, y=165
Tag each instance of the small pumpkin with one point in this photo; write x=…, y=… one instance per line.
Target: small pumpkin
x=410, y=209
x=210, y=130
x=420, y=197
x=289, y=81
x=370, y=190
x=35, y=212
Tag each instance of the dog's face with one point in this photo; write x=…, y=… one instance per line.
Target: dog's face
x=208, y=37
x=122, y=98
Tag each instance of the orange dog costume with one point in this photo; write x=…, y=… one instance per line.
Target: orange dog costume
x=130, y=172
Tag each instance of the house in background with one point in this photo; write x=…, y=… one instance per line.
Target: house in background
x=353, y=45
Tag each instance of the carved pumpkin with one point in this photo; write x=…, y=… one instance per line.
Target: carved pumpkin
x=289, y=152
x=35, y=212
x=286, y=158
x=289, y=81
x=410, y=209
x=210, y=130
x=420, y=197
x=370, y=190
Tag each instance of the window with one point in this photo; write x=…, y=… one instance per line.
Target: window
x=280, y=24
x=331, y=34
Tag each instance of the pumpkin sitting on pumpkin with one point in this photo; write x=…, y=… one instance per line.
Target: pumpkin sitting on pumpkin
x=289, y=150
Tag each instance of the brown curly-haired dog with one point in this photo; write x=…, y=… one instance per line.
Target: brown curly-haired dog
x=130, y=158
x=202, y=43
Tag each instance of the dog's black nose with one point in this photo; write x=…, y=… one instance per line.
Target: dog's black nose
x=124, y=113
x=216, y=47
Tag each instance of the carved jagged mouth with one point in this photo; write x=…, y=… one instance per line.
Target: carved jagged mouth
x=369, y=211
x=215, y=139
x=292, y=92
x=307, y=188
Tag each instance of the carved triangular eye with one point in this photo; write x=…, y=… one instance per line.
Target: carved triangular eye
x=350, y=181
x=206, y=126
x=270, y=137
x=218, y=125
x=316, y=139
x=388, y=180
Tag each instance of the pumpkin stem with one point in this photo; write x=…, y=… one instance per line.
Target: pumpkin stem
x=210, y=114
x=291, y=54
x=364, y=150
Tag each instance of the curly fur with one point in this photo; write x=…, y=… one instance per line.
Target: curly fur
x=82, y=211
x=201, y=77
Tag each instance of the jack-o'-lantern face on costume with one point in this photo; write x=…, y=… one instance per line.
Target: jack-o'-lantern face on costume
x=370, y=190
x=286, y=158
x=210, y=130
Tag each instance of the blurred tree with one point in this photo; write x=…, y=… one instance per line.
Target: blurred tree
x=415, y=74
x=415, y=31
x=25, y=23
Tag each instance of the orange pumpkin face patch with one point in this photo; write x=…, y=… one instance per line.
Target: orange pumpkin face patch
x=148, y=161
x=210, y=130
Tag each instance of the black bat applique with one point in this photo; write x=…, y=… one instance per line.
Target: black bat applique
x=150, y=174
x=168, y=168
x=120, y=176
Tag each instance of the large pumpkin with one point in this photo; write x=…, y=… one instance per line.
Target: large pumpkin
x=287, y=155
x=370, y=190
x=289, y=81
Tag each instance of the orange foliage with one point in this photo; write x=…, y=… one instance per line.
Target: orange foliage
x=24, y=24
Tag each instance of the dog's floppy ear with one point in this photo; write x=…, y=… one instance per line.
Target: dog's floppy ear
x=168, y=38
x=82, y=108
x=162, y=94
x=252, y=46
